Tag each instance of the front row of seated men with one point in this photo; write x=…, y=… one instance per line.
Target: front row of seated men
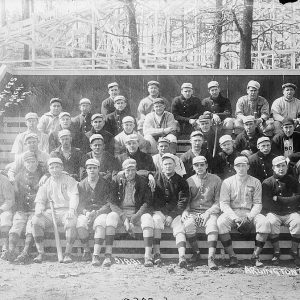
x=136, y=198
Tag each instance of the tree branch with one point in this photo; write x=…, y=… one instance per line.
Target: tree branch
x=236, y=22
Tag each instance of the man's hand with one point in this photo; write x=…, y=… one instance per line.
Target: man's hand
x=216, y=119
x=204, y=218
x=168, y=220
x=168, y=130
x=275, y=198
x=184, y=215
x=238, y=221
x=151, y=182
x=192, y=121
x=71, y=213
x=127, y=225
x=90, y=215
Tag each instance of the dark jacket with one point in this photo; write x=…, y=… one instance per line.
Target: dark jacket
x=107, y=107
x=98, y=199
x=244, y=142
x=82, y=123
x=261, y=165
x=287, y=190
x=171, y=195
x=142, y=197
x=187, y=159
x=71, y=164
x=220, y=106
x=109, y=141
x=108, y=164
x=278, y=142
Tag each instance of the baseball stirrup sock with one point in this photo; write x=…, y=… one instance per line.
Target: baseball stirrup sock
x=274, y=240
x=99, y=241
x=109, y=239
x=212, y=244
x=295, y=239
x=227, y=243
x=259, y=244
x=148, y=241
x=28, y=242
x=13, y=240
x=156, y=241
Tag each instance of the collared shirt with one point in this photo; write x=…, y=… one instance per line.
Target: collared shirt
x=283, y=108
x=48, y=123
x=247, y=107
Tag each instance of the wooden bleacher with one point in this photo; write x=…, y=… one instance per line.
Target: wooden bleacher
x=125, y=246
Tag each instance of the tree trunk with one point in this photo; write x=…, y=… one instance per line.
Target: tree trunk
x=133, y=35
x=3, y=13
x=246, y=35
x=218, y=34
x=25, y=15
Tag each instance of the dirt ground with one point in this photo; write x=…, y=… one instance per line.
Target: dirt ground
x=80, y=280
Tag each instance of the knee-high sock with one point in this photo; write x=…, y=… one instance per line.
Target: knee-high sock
x=260, y=242
x=295, y=242
x=156, y=242
x=83, y=235
x=181, y=243
x=13, y=240
x=148, y=240
x=38, y=235
x=227, y=243
x=99, y=237
x=212, y=239
x=109, y=239
x=71, y=234
x=4, y=235
x=192, y=239
x=28, y=243
x=274, y=238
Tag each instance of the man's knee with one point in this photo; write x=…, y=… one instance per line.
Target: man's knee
x=295, y=224
x=211, y=225
x=177, y=226
x=82, y=222
x=274, y=222
x=223, y=223
x=100, y=221
x=158, y=221
x=6, y=218
x=112, y=219
x=190, y=226
x=38, y=221
x=147, y=221
x=262, y=225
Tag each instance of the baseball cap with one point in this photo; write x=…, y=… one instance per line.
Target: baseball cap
x=262, y=139
x=288, y=121
x=112, y=84
x=64, y=113
x=96, y=136
x=199, y=159
x=31, y=115
x=204, y=118
x=153, y=82
x=52, y=100
x=247, y=119
x=53, y=160
x=186, y=85
x=93, y=162
x=254, y=84
x=129, y=162
x=225, y=138
x=289, y=84
x=278, y=160
x=163, y=140
x=28, y=155
x=159, y=101
x=212, y=84
x=31, y=135
x=94, y=116
x=128, y=119
x=85, y=101
x=131, y=137
x=63, y=133
x=195, y=133
x=241, y=160
x=119, y=98
x=168, y=155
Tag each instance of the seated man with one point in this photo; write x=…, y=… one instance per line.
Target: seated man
x=108, y=163
x=128, y=125
x=160, y=123
x=61, y=190
x=31, y=121
x=7, y=200
x=261, y=161
x=223, y=164
x=113, y=121
x=94, y=212
x=281, y=198
x=134, y=201
x=286, y=106
x=49, y=121
x=204, y=196
x=169, y=201
x=69, y=155
x=219, y=106
x=163, y=146
x=252, y=105
x=26, y=186
x=246, y=141
x=186, y=108
x=240, y=199
x=82, y=122
x=196, y=140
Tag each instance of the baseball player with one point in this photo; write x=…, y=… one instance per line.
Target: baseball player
x=134, y=200
x=26, y=186
x=169, y=201
x=62, y=190
x=281, y=198
x=94, y=212
x=82, y=122
x=240, y=202
x=203, y=204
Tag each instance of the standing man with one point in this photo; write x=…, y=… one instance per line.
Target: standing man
x=31, y=121
x=169, y=201
x=62, y=190
x=286, y=106
x=82, y=122
x=252, y=105
x=281, y=198
x=203, y=204
x=240, y=201
x=186, y=108
x=95, y=197
x=107, y=106
x=49, y=121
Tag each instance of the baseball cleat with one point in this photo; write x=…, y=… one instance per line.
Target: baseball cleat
x=211, y=263
x=233, y=262
x=195, y=257
x=256, y=261
x=96, y=261
x=157, y=259
x=23, y=258
x=276, y=259
x=67, y=259
x=107, y=262
x=182, y=262
x=295, y=257
x=148, y=262
x=39, y=258
x=86, y=256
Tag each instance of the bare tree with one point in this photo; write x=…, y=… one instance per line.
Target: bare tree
x=26, y=15
x=218, y=34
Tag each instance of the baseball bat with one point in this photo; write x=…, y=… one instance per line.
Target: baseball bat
x=56, y=234
x=215, y=142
